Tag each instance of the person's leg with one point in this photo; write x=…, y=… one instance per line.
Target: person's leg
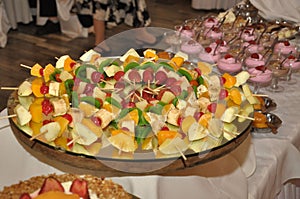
x=99, y=28
x=48, y=9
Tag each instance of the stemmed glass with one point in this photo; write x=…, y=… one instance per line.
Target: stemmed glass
x=277, y=72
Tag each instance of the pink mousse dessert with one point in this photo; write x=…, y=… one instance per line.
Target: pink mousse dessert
x=252, y=47
x=185, y=31
x=248, y=35
x=221, y=46
x=208, y=55
x=260, y=74
x=291, y=61
x=255, y=59
x=229, y=64
x=210, y=22
x=284, y=47
x=191, y=47
x=214, y=33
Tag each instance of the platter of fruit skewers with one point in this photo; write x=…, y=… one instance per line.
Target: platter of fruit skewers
x=147, y=113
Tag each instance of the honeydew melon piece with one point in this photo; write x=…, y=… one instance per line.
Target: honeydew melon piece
x=25, y=89
x=50, y=131
x=197, y=131
x=83, y=135
x=230, y=114
x=174, y=146
x=23, y=115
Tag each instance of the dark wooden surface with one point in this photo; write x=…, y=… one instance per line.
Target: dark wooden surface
x=24, y=47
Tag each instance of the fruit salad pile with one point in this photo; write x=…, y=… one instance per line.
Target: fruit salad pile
x=154, y=102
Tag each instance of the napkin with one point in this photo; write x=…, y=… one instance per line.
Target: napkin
x=278, y=9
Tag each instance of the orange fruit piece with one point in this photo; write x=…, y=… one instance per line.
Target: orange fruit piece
x=204, y=119
x=36, y=70
x=235, y=95
x=36, y=86
x=163, y=135
x=35, y=127
x=134, y=115
x=49, y=69
x=178, y=61
x=63, y=122
x=36, y=112
x=229, y=80
x=69, y=64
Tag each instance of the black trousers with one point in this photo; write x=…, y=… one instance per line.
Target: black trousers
x=48, y=8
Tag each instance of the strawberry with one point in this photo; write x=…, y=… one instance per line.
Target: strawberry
x=80, y=187
x=25, y=196
x=286, y=43
x=208, y=49
x=255, y=56
x=227, y=56
x=51, y=184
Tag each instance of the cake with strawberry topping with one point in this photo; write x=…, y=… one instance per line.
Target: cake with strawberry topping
x=260, y=74
x=284, y=47
x=255, y=59
x=209, y=55
x=229, y=64
x=65, y=186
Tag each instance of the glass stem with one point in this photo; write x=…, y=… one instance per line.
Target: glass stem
x=274, y=83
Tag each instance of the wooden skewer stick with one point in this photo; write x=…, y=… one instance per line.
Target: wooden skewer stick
x=37, y=135
x=72, y=141
x=246, y=117
x=25, y=66
x=259, y=95
x=7, y=116
x=9, y=88
x=182, y=155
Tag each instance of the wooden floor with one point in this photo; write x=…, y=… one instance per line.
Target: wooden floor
x=24, y=47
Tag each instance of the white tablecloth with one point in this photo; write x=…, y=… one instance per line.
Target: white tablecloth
x=213, y=4
x=258, y=169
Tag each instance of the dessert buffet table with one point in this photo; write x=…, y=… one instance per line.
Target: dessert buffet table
x=262, y=167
